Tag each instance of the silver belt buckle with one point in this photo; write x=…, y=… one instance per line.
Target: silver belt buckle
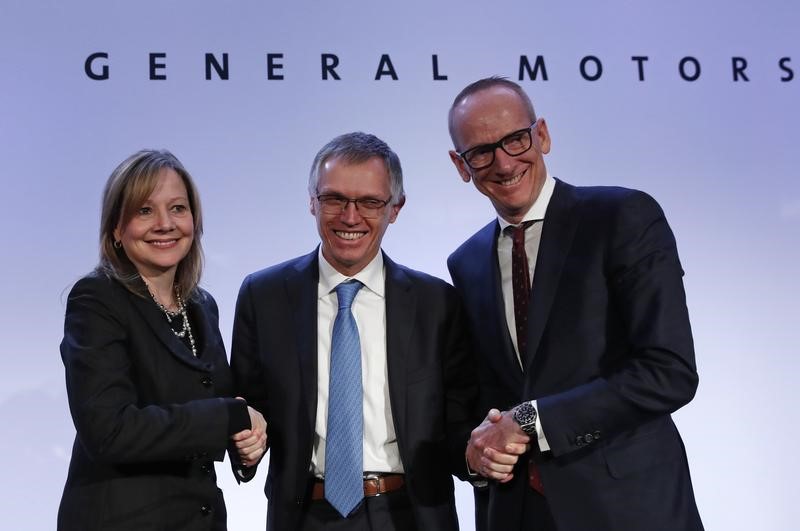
x=376, y=478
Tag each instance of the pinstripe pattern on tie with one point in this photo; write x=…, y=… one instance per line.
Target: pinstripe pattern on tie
x=344, y=487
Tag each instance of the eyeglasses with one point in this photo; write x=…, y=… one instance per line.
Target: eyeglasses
x=513, y=144
x=367, y=207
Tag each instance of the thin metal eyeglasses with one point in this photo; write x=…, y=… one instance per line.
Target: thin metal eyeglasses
x=367, y=207
x=514, y=144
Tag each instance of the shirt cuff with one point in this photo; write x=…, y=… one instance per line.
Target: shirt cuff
x=544, y=446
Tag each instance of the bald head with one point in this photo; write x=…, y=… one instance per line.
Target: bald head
x=465, y=100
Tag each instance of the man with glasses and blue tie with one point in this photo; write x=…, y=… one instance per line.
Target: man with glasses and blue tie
x=576, y=302
x=362, y=367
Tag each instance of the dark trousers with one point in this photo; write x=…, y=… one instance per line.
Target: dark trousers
x=387, y=512
x=536, y=514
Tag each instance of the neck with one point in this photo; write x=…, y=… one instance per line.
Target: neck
x=162, y=288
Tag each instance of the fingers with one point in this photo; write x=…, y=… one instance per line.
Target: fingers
x=501, y=459
x=517, y=448
x=251, y=449
x=257, y=420
x=496, y=470
x=497, y=465
x=251, y=445
x=494, y=415
x=491, y=463
x=242, y=435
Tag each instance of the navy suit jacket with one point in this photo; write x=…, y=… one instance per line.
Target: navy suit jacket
x=432, y=387
x=609, y=357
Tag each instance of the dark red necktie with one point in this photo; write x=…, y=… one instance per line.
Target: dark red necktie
x=521, y=284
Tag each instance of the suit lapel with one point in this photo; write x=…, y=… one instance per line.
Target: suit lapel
x=487, y=289
x=560, y=221
x=204, y=334
x=401, y=308
x=301, y=294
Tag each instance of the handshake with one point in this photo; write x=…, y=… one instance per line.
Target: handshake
x=251, y=444
x=494, y=447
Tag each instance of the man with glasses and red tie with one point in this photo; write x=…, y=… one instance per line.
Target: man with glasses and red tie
x=576, y=304
x=362, y=367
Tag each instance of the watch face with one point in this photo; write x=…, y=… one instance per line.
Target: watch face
x=525, y=414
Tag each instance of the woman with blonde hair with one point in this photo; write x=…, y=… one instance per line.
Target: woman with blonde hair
x=147, y=376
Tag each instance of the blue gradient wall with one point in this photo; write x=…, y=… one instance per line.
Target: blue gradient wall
x=720, y=155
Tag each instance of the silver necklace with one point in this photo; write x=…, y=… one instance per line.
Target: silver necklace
x=186, y=329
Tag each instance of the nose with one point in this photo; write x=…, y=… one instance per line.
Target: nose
x=164, y=221
x=503, y=162
x=350, y=214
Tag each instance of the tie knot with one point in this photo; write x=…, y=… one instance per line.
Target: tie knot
x=517, y=231
x=346, y=292
x=522, y=227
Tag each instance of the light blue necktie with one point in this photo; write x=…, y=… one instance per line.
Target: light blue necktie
x=344, y=463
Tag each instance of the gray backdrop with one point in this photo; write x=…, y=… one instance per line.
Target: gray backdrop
x=720, y=155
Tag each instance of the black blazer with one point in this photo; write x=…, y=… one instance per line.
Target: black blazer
x=431, y=382
x=148, y=414
x=609, y=357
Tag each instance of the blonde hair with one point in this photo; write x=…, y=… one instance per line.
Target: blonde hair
x=127, y=188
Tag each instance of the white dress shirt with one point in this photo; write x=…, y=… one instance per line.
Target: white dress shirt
x=533, y=236
x=381, y=453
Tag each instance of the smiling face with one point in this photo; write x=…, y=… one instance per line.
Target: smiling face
x=511, y=183
x=349, y=241
x=160, y=232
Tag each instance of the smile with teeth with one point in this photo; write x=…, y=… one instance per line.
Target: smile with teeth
x=162, y=243
x=348, y=235
x=512, y=180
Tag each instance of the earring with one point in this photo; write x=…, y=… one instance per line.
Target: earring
x=117, y=244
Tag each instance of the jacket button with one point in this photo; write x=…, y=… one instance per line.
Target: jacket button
x=207, y=381
x=205, y=510
x=588, y=438
x=298, y=501
x=596, y=435
x=579, y=440
x=205, y=468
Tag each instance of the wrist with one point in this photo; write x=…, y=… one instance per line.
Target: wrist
x=524, y=415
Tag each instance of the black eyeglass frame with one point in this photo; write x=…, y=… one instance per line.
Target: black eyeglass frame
x=367, y=207
x=492, y=148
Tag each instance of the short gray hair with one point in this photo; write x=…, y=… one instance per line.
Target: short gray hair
x=354, y=148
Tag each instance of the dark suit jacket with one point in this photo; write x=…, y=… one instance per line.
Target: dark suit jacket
x=431, y=382
x=609, y=357
x=147, y=413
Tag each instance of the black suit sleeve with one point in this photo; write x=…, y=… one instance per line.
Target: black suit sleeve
x=461, y=386
x=111, y=422
x=247, y=371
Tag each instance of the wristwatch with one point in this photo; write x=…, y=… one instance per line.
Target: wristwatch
x=525, y=416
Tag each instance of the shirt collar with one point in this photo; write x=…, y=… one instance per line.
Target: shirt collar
x=539, y=206
x=372, y=276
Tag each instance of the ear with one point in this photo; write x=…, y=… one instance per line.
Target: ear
x=312, y=206
x=117, y=234
x=543, y=135
x=461, y=166
x=395, y=209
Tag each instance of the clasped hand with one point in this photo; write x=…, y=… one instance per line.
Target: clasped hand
x=251, y=444
x=495, y=446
